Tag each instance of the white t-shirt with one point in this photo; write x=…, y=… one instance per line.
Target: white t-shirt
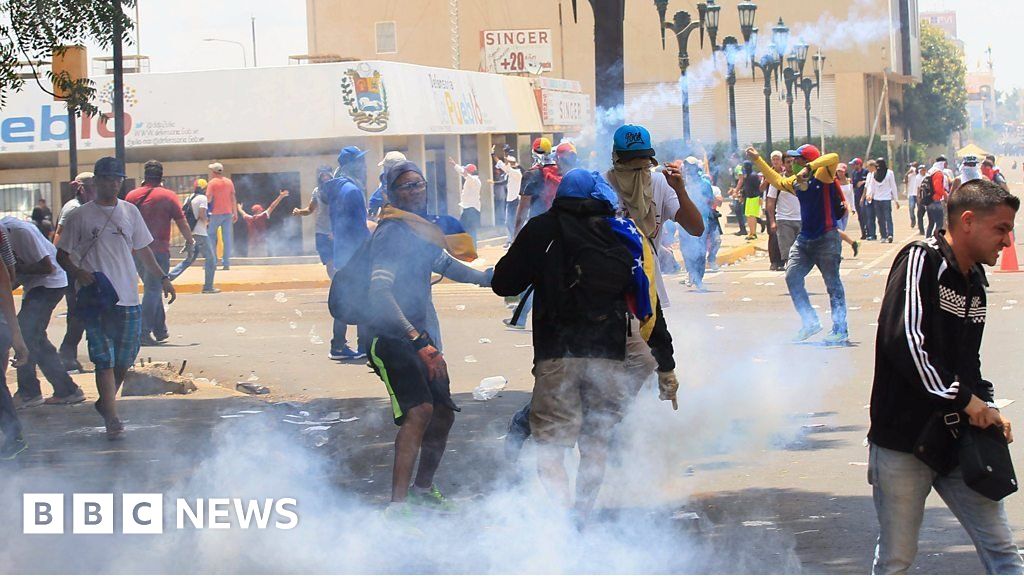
x=65, y=211
x=884, y=190
x=200, y=203
x=666, y=204
x=914, y=183
x=515, y=180
x=470, y=197
x=30, y=246
x=787, y=205
x=103, y=238
x=322, y=216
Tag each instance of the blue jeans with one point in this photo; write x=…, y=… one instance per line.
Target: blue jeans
x=936, y=217
x=154, y=319
x=825, y=253
x=205, y=249
x=510, y=219
x=525, y=314
x=34, y=318
x=912, y=208
x=10, y=426
x=695, y=255
x=222, y=221
x=883, y=212
x=867, y=217
x=339, y=339
x=901, y=483
x=714, y=241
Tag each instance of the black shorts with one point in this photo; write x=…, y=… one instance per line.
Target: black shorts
x=405, y=377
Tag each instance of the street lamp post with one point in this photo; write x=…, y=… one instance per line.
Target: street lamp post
x=709, y=16
x=682, y=25
x=807, y=86
x=791, y=74
x=245, y=61
x=770, y=65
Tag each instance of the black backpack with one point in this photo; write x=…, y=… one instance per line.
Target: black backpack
x=926, y=192
x=350, y=286
x=595, y=270
x=190, y=215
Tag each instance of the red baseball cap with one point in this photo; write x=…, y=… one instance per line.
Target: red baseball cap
x=808, y=152
x=565, y=148
x=471, y=168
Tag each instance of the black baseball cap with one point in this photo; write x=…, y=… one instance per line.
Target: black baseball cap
x=108, y=166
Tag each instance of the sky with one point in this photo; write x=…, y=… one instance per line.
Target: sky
x=172, y=33
x=984, y=23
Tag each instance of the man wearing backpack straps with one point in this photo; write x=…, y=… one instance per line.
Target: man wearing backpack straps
x=582, y=273
x=196, y=211
x=404, y=251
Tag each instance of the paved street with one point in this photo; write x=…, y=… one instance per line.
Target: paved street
x=766, y=449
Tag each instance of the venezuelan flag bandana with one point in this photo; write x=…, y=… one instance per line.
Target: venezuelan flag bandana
x=642, y=299
x=459, y=245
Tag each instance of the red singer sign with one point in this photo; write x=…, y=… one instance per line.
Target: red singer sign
x=515, y=51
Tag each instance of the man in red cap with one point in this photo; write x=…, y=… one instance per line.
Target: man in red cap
x=469, y=198
x=818, y=243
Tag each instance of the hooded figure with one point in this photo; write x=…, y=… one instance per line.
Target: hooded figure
x=881, y=169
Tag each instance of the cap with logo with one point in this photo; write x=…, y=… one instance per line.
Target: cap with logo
x=565, y=148
x=392, y=158
x=109, y=167
x=970, y=160
x=542, y=146
x=856, y=161
x=809, y=152
x=216, y=168
x=349, y=154
x=632, y=141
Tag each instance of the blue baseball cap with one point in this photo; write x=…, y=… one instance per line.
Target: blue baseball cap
x=350, y=154
x=109, y=166
x=632, y=141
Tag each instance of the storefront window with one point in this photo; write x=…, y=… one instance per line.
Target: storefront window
x=18, y=200
x=182, y=186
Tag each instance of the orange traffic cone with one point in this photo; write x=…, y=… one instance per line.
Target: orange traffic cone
x=1008, y=260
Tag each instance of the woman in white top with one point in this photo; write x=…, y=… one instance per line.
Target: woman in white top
x=881, y=192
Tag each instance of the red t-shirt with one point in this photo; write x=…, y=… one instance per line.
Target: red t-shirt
x=159, y=207
x=257, y=225
x=939, y=184
x=220, y=192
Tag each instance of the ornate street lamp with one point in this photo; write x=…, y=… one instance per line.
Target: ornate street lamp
x=770, y=64
x=683, y=25
x=708, y=19
x=794, y=70
x=807, y=86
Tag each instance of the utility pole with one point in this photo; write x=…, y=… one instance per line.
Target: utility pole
x=118, y=103
x=252, y=20
x=888, y=128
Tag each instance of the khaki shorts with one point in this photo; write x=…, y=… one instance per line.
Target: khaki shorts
x=578, y=396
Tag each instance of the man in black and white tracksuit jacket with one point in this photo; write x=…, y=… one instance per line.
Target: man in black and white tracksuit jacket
x=926, y=361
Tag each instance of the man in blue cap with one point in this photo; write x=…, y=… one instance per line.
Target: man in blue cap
x=344, y=197
x=103, y=236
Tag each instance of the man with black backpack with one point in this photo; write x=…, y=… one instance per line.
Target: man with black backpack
x=928, y=386
x=583, y=261
x=197, y=216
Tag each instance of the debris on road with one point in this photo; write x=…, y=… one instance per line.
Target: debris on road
x=757, y=523
x=489, y=388
x=240, y=330
x=683, y=515
x=155, y=379
x=280, y=297
x=471, y=359
x=250, y=388
x=460, y=307
x=484, y=340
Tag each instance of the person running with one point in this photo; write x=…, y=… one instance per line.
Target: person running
x=196, y=210
x=84, y=192
x=323, y=240
x=10, y=337
x=404, y=251
x=258, y=223
x=783, y=209
x=818, y=243
x=469, y=197
x=936, y=187
x=43, y=284
x=928, y=373
x=583, y=261
x=846, y=190
x=103, y=236
x=223, y=208
x=159, y=207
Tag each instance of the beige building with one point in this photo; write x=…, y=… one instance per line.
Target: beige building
x=861, y=39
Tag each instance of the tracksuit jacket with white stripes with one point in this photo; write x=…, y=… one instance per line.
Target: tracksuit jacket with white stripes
x=929, y=338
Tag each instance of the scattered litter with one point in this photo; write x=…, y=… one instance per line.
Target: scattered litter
x=320, y=439
x=816, y=306
x=292, y=419
x=251, y=294
x=757, y=523
x=350, y=419
x=734, y=282
x=524, y=345
x=1007, y=308
x=460, y=307
x=1002, y=403
x=318, y=428
x=690, y=471
x=714, y=315
x=231, y=416
x=502, y=437
x=484, y=340
x=681, y=515
x=253, y=377
x=298, y=313
x=240, y=330
x=805, y=532
x=280, y=297
x=813, y=426
x=313, y=337
x=876, y=300
x=470, y=359
x=489, y=387
x=818, y=517
x=333, y=416
x=221, y=355
x=854, y=308
x=769, y=283
x=746, y=299
x=250, y=411
x=304, y=413
x=719, y=327
x=758, y=283
x=1011, y=302
x=293, y=325
x=858, y=463
x=250, y=388
x=873, y=324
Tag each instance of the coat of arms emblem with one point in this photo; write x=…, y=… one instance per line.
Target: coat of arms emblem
x=362, y=90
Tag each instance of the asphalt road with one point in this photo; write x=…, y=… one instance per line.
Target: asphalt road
x=761, y=470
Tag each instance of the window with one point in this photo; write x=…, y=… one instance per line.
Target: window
x=387, y=38
x=18, y=200
x=182, y=186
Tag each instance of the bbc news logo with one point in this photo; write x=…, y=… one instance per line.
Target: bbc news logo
x=144, y=513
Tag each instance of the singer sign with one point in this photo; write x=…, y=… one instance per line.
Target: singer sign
x=516, y=51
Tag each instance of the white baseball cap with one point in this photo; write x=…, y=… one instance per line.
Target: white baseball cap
x=391, y=158
x=692, y=160
x=216, y=167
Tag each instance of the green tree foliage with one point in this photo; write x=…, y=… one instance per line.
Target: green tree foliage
x=32, y=30
x=937, y=106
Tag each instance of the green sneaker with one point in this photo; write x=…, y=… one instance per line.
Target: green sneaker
x=402, y=517
x=806, y=332
x=431, y=499
x=837, y=338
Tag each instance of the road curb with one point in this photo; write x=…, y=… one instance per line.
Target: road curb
x=736, y=254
